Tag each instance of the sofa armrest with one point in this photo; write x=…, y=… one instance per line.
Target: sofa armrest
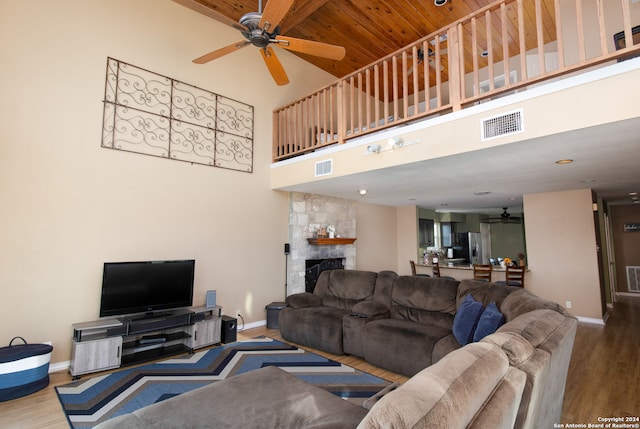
x=367, y=309
x=304, y=299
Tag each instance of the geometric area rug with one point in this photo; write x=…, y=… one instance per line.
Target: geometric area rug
x=91, y=401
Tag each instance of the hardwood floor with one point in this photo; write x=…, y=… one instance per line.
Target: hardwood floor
x=603, y=380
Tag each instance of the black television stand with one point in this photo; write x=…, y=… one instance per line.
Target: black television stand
x=112, y=343
x=139, y=325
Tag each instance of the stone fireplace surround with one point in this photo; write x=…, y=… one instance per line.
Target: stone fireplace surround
x=306, y=213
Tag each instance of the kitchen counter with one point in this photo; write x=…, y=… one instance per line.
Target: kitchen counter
x=464, y=271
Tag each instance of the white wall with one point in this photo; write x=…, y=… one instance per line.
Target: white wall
x=67, y=205
x=561, y=250
x=376, y=244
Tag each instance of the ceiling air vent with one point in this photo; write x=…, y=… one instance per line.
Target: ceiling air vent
x=324, y=168
x=502, y=125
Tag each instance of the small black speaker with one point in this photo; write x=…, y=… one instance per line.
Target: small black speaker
x=229, y=329
x=286, y=248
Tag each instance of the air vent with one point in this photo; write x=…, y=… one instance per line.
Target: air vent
x=502, y=125
x=633, y=279
x=324, y=168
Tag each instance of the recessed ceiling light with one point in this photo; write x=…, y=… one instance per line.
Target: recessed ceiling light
x=633, y=193
x=440, y=2
x=484, y=54
x=362, y=191
x=588, y=180
x=564, y=161
x=480, y=193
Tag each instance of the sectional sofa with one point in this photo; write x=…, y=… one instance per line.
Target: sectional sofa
x=408, y=323
x=514, y=377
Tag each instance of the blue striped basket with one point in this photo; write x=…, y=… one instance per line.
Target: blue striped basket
x=24, y=369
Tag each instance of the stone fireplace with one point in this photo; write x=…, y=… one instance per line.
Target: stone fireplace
x=306, y=213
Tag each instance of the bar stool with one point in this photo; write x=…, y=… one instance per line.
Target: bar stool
x=436, y=271
x=514, y=276
x=413, y=270
x=482, y=272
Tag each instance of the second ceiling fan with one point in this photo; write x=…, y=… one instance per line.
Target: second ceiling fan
x=261, y=29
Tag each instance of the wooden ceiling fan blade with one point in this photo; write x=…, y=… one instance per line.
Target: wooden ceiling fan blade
x=274, y=12
x=220, y=52
x=274, y=66
x=310, y=47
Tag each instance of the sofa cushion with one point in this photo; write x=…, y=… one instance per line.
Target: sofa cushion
x=345, y=288
x=490, y=320
x=466, y=320
x=522, y=301
x=304, y=299
x=369, y=309
x=265, y=398
x=454, y=393
x=420, y=299
x=400, y=345
x=517, y=349
x=484, y=292
x=317, y=327
x=535, y=326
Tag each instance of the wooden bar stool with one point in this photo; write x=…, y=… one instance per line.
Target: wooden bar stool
x=436, y=271
x=482, y=272
x=413, y=270
x=514, y=276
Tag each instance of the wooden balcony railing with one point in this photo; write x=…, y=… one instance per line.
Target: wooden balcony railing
x=505, y=46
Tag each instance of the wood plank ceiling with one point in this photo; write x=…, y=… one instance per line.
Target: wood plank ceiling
x=372, y=29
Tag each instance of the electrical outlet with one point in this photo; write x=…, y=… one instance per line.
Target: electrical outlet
x=238, y=312
x=568, y=304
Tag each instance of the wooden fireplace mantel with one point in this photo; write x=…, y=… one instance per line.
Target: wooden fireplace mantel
x=330, y=241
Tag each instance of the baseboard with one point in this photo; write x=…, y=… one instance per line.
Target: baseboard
x=64, y=366
x=59, y=366
x=252, y=325
x=631, y=294
x=590, y=320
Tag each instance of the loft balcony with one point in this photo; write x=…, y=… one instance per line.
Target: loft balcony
x=506, y=47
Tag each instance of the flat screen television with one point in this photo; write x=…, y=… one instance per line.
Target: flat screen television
x=146, y=287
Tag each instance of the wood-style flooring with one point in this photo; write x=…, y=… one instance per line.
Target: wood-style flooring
x=603, y=380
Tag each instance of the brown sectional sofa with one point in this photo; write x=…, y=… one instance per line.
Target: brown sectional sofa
x=473, y=387
x=407, y=325
x=514, y=377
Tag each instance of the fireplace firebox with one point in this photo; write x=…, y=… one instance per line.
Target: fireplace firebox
x=313, y=268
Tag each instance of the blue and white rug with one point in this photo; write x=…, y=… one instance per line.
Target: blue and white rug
x=89, y=402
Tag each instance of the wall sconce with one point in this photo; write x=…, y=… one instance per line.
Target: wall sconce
x=395, y=143
x=374, y=148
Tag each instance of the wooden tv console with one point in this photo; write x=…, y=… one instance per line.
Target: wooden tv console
x=111, y=343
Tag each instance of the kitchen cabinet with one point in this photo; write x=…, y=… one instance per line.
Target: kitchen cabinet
x=425, y=233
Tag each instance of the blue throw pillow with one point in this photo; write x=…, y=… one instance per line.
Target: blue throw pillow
x=490, y=320
x=466, y=320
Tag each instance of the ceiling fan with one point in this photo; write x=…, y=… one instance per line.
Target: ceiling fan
x=431, y=58
x=505, y=217
x=262, y=29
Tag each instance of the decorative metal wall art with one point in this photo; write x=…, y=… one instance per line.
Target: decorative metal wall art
x=151, y=114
